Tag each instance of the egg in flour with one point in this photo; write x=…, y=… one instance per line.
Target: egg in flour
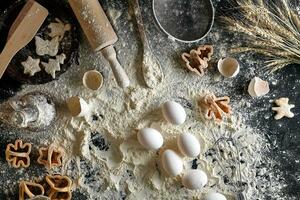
x=173, y=112
x=150, y=138
x=172, y=162
x=194, y=179
x=215, y=196
x=188, y=145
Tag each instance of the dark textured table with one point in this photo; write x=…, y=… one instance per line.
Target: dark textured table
x=283, y=135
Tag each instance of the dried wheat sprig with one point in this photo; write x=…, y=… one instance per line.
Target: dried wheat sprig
x=273, y=30
x=277, y=64
x=279, y=28
x=269, y=52
x=264, y=18
x=296, y=21
x=247, y=49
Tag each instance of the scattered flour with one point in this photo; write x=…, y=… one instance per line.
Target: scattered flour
x=103, y=153
x=114, y=15
x=152, y=72
x=104, y=158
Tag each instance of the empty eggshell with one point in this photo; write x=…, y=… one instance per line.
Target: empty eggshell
x=77, y=106
x=173, y=112
x=258, y=87
x=188, y=145
x=228, y=67
x=92, y=79
x=150, y=138
x=194, y=179
x=215, y=196
x=172, y=163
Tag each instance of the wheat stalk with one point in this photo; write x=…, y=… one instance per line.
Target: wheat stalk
x=272, y=29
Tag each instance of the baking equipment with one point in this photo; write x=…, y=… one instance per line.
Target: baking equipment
x=68, y=45
x=151, y=68
x=100, y=34
x=232, y=166
x=26, y=25
x=184, y=20
x=33, y=111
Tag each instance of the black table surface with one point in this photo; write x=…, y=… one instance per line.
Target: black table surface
x=284, y=137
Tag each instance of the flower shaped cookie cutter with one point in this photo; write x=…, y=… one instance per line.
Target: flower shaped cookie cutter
x=197, y=60
x=60, y=187
x=215, y=107
x=50, y=156
x=17, y=155
x=29, y=190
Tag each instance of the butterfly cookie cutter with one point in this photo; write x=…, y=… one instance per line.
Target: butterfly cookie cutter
x=17, y=155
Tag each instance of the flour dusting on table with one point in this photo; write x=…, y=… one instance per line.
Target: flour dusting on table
x=103, y=156
x=102, y=149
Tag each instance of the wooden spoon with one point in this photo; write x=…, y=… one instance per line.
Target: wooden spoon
x=23, y=30
x=151, y=68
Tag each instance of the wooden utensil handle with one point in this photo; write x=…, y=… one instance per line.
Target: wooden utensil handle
x=140, y=23
x=120, y=75
x=5, y=58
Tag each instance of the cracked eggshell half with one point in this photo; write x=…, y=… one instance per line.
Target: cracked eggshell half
x=215, y=196
x=92, y=80
x=258, y=87
x=173, y=112
x=172, y=162
x=188, y=145
x=194, y=179
x=150, y=138
x=77, y=106
x=228, y=67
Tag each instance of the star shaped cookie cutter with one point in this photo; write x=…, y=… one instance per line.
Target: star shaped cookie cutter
x=50, y=156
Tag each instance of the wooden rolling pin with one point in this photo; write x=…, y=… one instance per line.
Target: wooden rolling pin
x=100, y=34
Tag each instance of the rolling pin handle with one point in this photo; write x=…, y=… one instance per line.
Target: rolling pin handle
x=120, y=75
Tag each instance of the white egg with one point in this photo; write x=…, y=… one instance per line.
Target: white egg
x=194, y=179
x=172, y=163
x=215, y=196
x=150, y=138
x=188, y=145
x=173, y=112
